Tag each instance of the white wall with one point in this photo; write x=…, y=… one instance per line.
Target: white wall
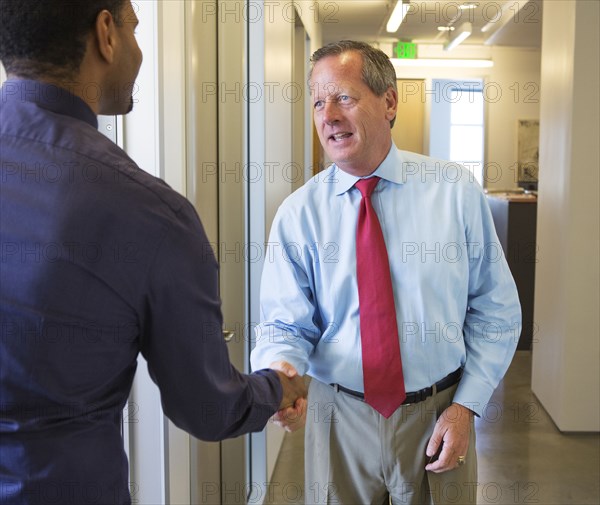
x=511, y=92
x=305, y=9
x=279, y=31
x=516, y=74
x=566, y=368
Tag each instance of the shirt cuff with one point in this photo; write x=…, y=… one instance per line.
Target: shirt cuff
x=473, y=393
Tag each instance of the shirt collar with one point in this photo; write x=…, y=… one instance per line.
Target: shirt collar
x=50, y=97
x=390, y=170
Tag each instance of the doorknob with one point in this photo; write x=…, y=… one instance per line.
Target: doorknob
x=228, y=335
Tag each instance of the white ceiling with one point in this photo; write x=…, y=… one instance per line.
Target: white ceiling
x=366, y=20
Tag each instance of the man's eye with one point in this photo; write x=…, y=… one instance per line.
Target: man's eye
x=318, y=105
x=346, y=100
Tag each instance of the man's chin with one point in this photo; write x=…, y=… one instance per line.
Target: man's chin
x=117, y=109
x=339, y=156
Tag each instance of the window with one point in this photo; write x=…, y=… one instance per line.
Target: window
x=456, y=126
x=466, y=130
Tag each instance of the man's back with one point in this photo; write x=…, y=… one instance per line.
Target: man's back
x=81, y=229
x=77, y=241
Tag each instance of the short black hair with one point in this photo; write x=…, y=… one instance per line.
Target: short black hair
x=48, y=37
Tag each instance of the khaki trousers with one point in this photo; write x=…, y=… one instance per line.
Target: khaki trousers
x=354, y=456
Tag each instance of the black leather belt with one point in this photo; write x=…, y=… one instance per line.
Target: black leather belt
x=415, y=396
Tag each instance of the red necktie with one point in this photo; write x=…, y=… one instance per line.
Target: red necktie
x=382, y=364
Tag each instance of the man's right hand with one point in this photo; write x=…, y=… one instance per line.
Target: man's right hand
x=291, y=415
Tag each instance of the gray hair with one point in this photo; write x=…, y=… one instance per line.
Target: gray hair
x=377, y=70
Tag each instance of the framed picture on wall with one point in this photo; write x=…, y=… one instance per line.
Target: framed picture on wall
x=528, y=150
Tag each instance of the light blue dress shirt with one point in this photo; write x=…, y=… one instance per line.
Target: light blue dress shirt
x=456, y=301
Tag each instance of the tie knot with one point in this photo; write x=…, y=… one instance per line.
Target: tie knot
x=366, y=186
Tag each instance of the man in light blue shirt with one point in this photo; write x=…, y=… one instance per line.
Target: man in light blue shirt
x=457, y=307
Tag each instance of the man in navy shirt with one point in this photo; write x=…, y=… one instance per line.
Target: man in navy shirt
x=99, y=261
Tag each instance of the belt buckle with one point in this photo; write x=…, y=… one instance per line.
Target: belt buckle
x=422, y=394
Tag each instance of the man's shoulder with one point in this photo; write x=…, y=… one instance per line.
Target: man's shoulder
x=320, y=188
x=123, y=170
x=76, y=155
x=432, y=172
x=422, y=162
x=123, y=177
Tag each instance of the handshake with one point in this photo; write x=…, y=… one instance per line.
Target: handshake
x=291, y=415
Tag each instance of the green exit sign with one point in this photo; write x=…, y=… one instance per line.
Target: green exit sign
x=405, y=50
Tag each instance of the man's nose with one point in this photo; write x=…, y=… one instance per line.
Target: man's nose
x=330, y=112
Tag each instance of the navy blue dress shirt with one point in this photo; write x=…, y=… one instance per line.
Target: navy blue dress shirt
x=100, y=261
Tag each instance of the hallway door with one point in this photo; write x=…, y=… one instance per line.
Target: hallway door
x=215, y=46
x=408, y=131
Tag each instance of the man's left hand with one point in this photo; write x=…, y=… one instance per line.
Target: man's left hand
x=452, y=432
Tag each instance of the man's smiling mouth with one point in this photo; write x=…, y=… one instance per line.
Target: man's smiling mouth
x=340, y=136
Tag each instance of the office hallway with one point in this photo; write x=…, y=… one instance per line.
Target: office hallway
x=523, y=458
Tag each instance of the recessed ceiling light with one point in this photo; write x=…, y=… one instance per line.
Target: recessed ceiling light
x=463, y=32
x=446, y=28
x=467, y=6
x=397, y=16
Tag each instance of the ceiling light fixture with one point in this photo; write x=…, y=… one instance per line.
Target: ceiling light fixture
x=506, y=14
x=467, y=6
x=459, y=36
x=397, y=16
x=446, y=28
x=495, y=26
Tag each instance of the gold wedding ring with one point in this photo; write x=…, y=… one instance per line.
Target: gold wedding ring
x=461, y=460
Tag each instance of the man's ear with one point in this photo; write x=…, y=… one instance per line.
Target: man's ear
x=391, y=102
x=105, y=29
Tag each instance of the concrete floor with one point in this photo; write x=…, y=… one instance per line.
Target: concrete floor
x=523, y=458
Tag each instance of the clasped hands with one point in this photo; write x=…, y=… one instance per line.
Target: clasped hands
x=291, y=415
